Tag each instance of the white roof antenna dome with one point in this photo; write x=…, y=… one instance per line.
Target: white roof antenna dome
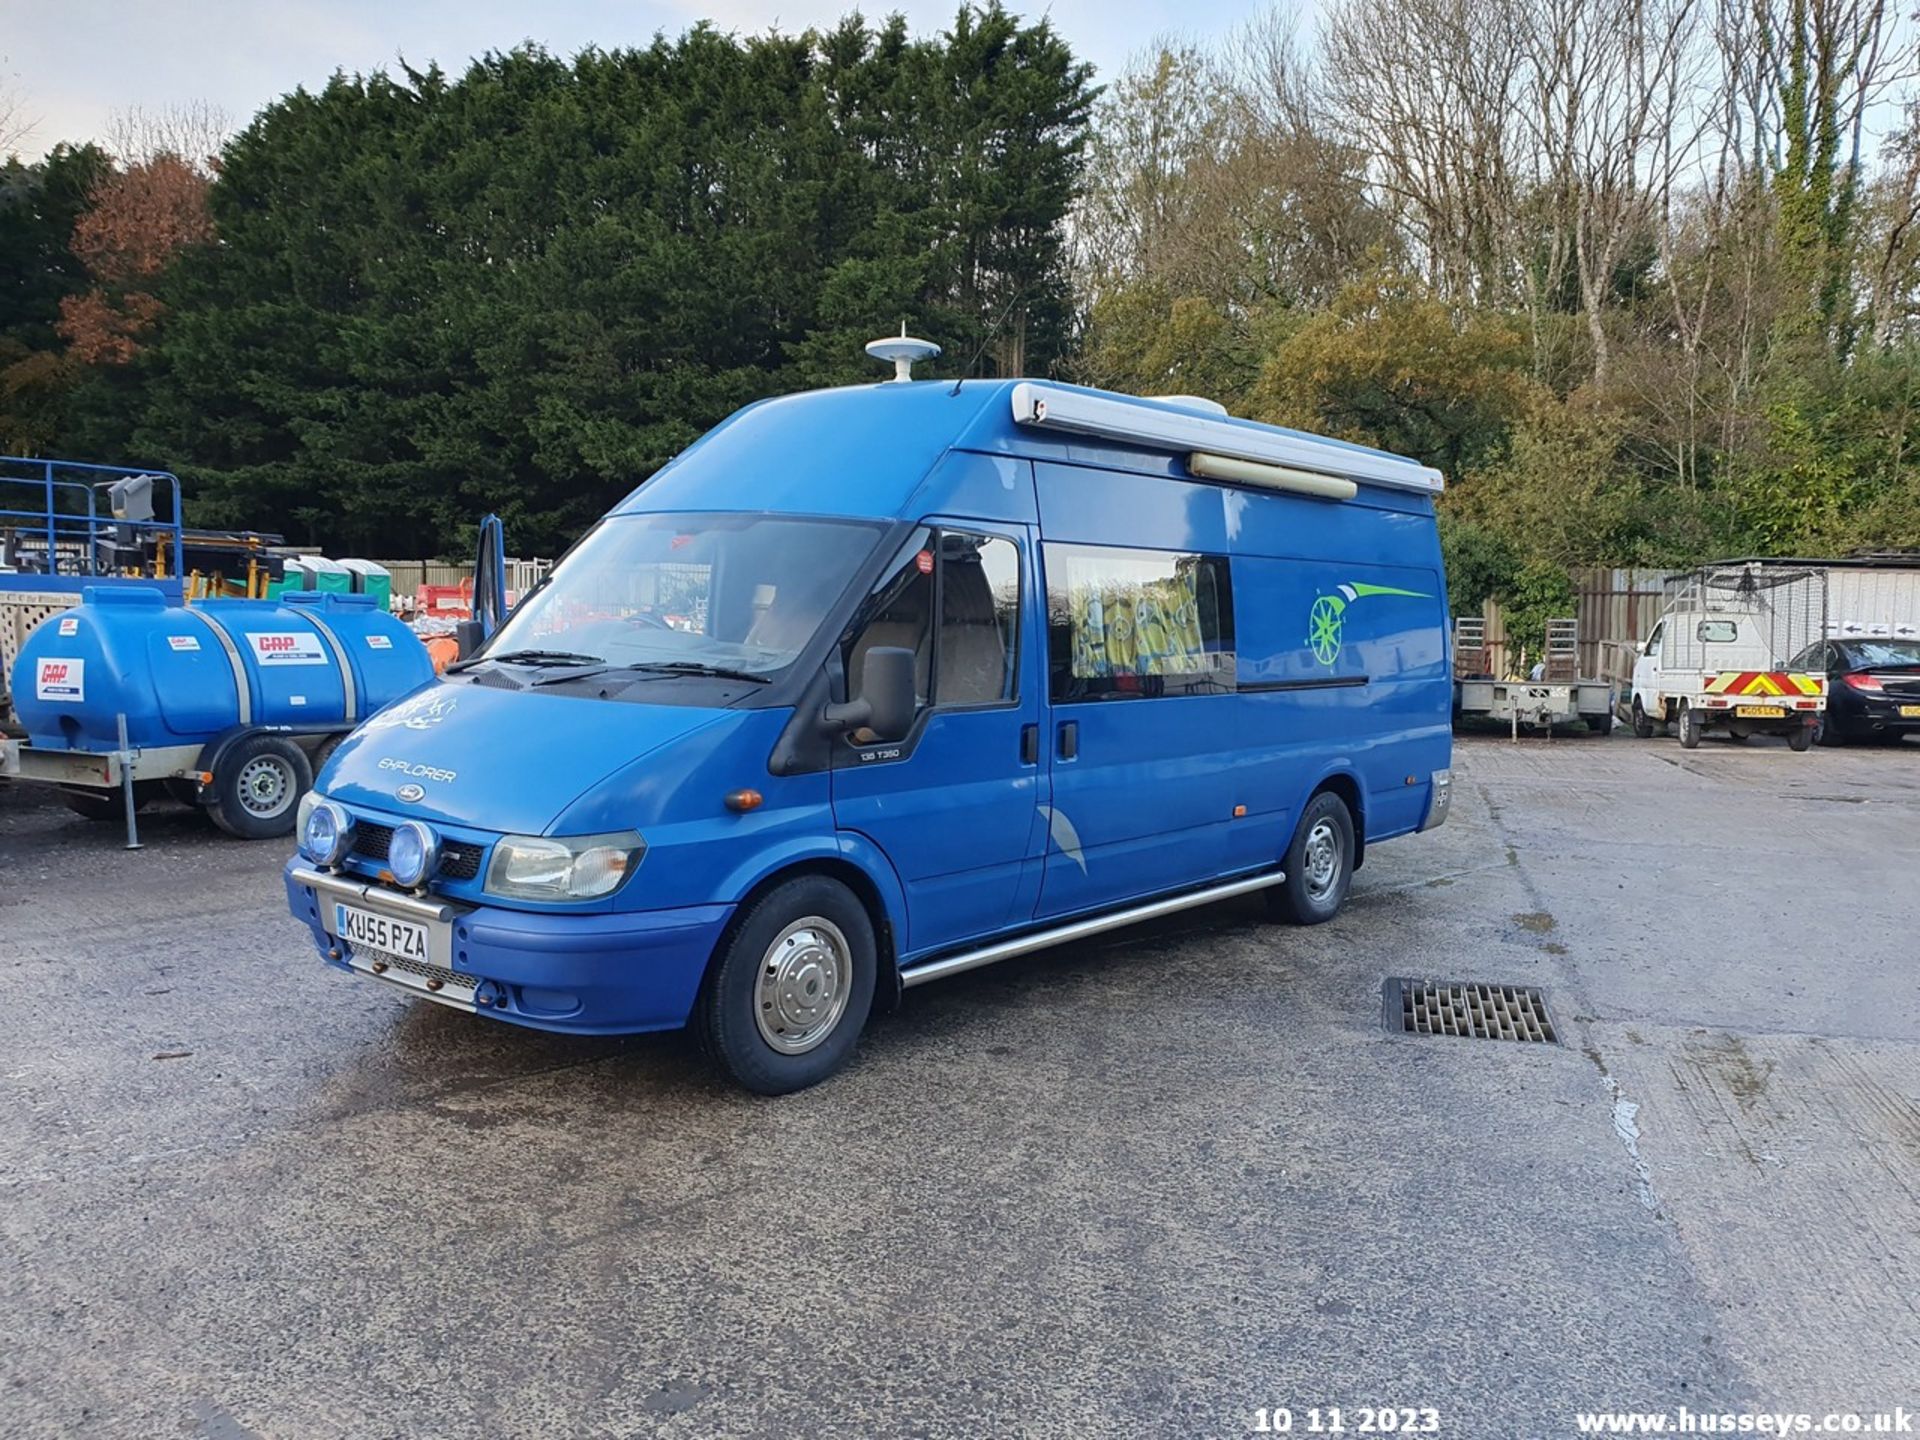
x=904, y=351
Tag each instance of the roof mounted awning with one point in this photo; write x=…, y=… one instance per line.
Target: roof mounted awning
x=1189, y=432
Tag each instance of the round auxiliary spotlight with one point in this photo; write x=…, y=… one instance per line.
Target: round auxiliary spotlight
x=411, y=853
x=327, y=835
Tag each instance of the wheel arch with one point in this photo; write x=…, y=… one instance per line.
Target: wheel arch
x=1345, y=783
x=858, y=866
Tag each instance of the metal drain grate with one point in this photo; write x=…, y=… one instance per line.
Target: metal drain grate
x=1468, y=1009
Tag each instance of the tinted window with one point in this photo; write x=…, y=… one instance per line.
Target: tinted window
x=979, y=619
x=1717, y=632
x=1127, y=624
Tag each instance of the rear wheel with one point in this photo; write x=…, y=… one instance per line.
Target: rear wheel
x=1800, y=737
x=1828, y=733
x=257, y=788
x=791, y=987
x=1319, y=864
x=1642, y=722
x=1691, y=727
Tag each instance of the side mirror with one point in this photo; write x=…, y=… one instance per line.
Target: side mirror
x=885, y=702
x=468, y=636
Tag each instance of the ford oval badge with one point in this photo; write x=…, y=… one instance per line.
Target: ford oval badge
x=411, y=793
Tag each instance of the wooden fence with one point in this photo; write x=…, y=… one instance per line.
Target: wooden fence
x=1614, y=608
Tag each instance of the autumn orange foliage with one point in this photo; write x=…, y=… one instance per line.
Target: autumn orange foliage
x=141, y=217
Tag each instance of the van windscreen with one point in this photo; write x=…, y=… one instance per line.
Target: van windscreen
x=744, y=592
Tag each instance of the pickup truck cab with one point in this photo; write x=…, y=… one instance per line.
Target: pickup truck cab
x=873, y=685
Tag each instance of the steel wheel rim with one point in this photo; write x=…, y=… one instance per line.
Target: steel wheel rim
x=266, y=786
x=804, y=983
x=1320, y=859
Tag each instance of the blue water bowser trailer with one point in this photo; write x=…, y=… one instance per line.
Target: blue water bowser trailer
x=229, y=704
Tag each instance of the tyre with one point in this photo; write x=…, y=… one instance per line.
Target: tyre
x=1800, y=738
x=1600, y=722
x=258, y=785
x=790, y=987
x=1691, y=727
x=1642, y=722
x=1828, y=733
x=1319, y=864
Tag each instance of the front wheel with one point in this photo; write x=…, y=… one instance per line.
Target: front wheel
x=1319, y=864
x=791, y=987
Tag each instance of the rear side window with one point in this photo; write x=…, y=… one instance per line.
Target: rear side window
x=1137, y=624
x=1717, y=632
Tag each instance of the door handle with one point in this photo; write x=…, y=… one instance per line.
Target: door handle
x=1069, y=739
x=1029, y=744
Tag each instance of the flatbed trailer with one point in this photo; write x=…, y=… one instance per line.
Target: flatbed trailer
x=1559, y=696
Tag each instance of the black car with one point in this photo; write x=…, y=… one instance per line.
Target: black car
x=1873, y=687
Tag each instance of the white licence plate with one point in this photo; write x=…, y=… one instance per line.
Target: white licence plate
x=365, y=930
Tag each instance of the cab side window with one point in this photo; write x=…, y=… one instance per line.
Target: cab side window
x=970, y=585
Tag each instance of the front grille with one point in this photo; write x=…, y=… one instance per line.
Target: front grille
x=1471, y=1010
x=458, y=860
x=370, y=841
x=426, y=974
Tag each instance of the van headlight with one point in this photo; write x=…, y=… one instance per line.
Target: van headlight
x=325, y=830
x=577, y=867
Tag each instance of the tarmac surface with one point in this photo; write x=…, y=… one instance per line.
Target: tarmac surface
x=1141, y=1186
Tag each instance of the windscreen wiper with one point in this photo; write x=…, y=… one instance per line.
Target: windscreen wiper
x=536, y=657
x=698, y=667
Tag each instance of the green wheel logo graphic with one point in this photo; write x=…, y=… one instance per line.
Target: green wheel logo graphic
x=1327, y=621
x=1324, y=626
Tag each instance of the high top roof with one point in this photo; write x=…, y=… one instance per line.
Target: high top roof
x=863, y=450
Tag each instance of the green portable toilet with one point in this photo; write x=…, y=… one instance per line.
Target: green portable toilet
x=372, y=578
x=329, y=576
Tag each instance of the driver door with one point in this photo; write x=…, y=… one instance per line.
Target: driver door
x=955, y=804
x=1646, y=672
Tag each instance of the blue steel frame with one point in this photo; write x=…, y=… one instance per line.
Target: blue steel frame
x=77, y=525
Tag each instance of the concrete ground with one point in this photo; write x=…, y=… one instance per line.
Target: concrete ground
x=1136, y=1187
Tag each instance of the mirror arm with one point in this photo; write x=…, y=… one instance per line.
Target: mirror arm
x=849, y=716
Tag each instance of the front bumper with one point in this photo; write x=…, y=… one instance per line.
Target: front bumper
x=587, y=974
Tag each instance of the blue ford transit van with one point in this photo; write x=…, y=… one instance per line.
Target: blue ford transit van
x=873, y=685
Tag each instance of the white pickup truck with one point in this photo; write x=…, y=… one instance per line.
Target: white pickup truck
x=1703, y=669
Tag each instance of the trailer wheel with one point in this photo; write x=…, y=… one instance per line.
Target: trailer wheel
x=1319, y=864
x=1642, y=722
x=1691, y=727
x=257, y=788
x=1600, y=722
x=1800, y=738
x=790, y=987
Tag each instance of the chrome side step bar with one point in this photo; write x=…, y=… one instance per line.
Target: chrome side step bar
x=947, y=965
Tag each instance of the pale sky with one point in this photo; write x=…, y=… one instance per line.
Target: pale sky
x=70, y=63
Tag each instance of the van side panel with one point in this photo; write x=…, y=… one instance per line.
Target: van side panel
x=1342, y=629
x=1342, y=669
